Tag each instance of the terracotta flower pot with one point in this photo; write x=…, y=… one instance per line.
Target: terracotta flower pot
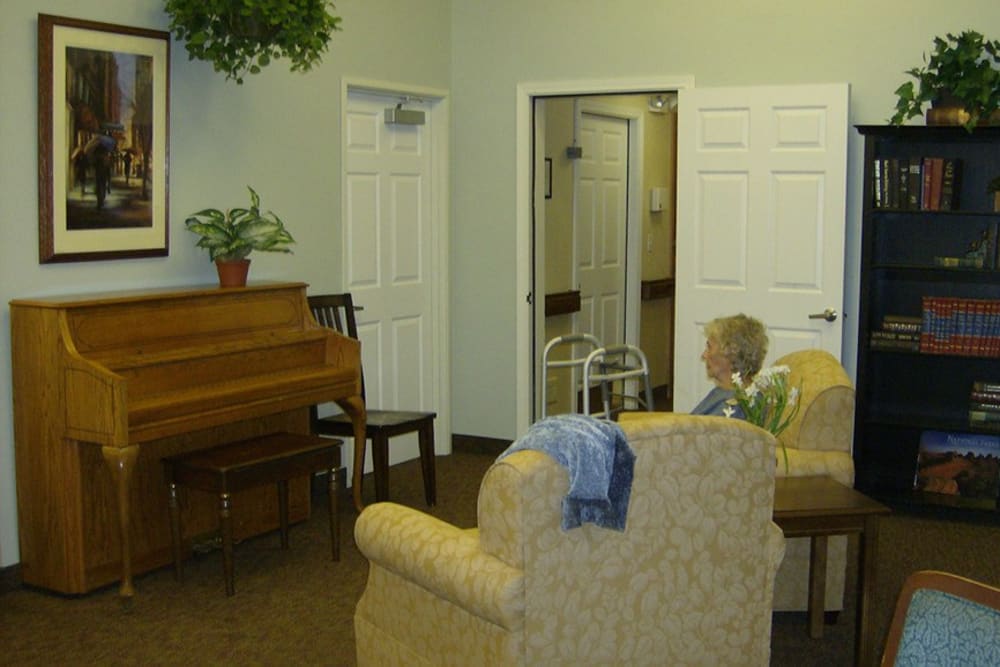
x=232, y=273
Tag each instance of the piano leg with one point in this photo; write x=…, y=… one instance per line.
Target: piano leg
x=354, y=406
x=121, y=460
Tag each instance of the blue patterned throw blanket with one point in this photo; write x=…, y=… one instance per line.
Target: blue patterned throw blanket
x=599, y=461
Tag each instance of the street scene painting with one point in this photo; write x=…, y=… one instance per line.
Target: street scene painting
x=103, y=99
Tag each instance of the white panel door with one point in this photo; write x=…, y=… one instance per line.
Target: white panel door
x=600, y=211
x=760, y=218
x=387, y=256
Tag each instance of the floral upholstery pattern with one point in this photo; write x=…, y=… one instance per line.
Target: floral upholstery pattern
x=818, y=442
x=689, y=581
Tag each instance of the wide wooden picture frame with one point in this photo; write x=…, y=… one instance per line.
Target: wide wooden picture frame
x=103, y=128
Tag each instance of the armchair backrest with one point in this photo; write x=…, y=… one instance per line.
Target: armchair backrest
x=943, y=618
x=689, y=580
x=826, y=419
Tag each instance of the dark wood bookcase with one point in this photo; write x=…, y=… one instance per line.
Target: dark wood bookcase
x=906, y=255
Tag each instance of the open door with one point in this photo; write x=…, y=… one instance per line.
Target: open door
x=760, y=218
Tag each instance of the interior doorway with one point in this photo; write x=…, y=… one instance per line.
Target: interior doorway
x=603, y=232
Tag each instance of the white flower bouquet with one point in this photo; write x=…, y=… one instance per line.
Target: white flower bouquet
x=768, y=401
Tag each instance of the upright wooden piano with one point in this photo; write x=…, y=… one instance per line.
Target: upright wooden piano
x=105, y=385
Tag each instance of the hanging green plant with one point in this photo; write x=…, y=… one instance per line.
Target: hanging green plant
x=963, y=71
x=240, y=37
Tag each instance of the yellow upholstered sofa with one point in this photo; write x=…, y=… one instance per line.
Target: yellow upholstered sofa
x=688, y=582
x=818, y=442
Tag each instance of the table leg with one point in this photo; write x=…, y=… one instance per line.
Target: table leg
x=121, y=460
x=817, y=584
x=866, y=579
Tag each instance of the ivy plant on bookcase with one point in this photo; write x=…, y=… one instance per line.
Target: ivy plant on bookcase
x=929, y=316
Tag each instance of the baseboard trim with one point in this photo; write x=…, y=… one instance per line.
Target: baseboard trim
x=477, y=444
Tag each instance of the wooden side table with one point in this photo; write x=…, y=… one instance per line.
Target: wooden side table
x=817, y=507
x=230, y=468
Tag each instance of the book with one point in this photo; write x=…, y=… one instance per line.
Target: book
x=950, y=172
x=989, y=397
x=986, y=386
x=937, y=172
x=878, y=189
x=903, y=184
x=958, y=464
x=915, y=185
x=896, y=335
x=902, y=323
x=892, y=182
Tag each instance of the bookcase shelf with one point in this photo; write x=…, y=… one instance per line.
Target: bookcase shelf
x=910, y=258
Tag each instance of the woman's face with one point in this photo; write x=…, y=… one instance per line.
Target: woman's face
x=717, y=365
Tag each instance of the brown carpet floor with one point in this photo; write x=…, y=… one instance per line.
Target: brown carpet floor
x=295, y=607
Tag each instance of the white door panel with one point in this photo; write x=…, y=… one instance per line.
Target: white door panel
x=761, y=214
x=600, y=223
x=387, y=251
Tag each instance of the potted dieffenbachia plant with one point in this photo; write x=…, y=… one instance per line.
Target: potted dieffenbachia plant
x=230, y=236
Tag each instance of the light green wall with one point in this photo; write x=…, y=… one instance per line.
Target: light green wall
x=279, y=132
x=498, y=45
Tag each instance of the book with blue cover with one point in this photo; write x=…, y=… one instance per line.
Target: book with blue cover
x=958, y=464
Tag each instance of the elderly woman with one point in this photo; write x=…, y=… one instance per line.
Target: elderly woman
x=735, y=344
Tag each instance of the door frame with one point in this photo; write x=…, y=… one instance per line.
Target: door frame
x=438, y=118
x=530, y=308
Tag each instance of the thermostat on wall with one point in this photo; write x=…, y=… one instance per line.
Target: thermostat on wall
x=656, y=197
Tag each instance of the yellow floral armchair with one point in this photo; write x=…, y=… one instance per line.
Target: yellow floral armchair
x=688, y=582
x=818, y=442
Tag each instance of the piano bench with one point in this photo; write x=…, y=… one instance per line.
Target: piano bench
x=233, y=467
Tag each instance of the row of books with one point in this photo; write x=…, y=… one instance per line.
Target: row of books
x=984, y=405
x=967, y=327
x=916, y=183
x=898, y=332
x=958, y=464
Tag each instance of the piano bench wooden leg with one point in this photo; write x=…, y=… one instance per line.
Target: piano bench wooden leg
x=226, y=526
x=283, y=511
x=175, y=532
x=332, y=488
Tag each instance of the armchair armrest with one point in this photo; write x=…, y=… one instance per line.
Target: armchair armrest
x=443, y=559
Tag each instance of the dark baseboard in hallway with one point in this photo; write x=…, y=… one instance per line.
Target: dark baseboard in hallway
x=476, y=444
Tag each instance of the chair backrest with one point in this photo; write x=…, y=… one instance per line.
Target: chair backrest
x=826, y=419
x=336, y=311
x=698, y=553
x=944, y=619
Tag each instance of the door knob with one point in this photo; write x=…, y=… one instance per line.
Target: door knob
x=830, y=315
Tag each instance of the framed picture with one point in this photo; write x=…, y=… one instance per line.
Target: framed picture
x=548, y=178
x=103, y=111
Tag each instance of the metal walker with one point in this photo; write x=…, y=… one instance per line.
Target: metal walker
x=601, y=366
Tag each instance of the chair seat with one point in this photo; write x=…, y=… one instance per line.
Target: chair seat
x=377, y=419
x=382, y=425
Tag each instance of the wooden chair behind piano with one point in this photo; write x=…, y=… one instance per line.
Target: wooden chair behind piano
x=336, y=311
